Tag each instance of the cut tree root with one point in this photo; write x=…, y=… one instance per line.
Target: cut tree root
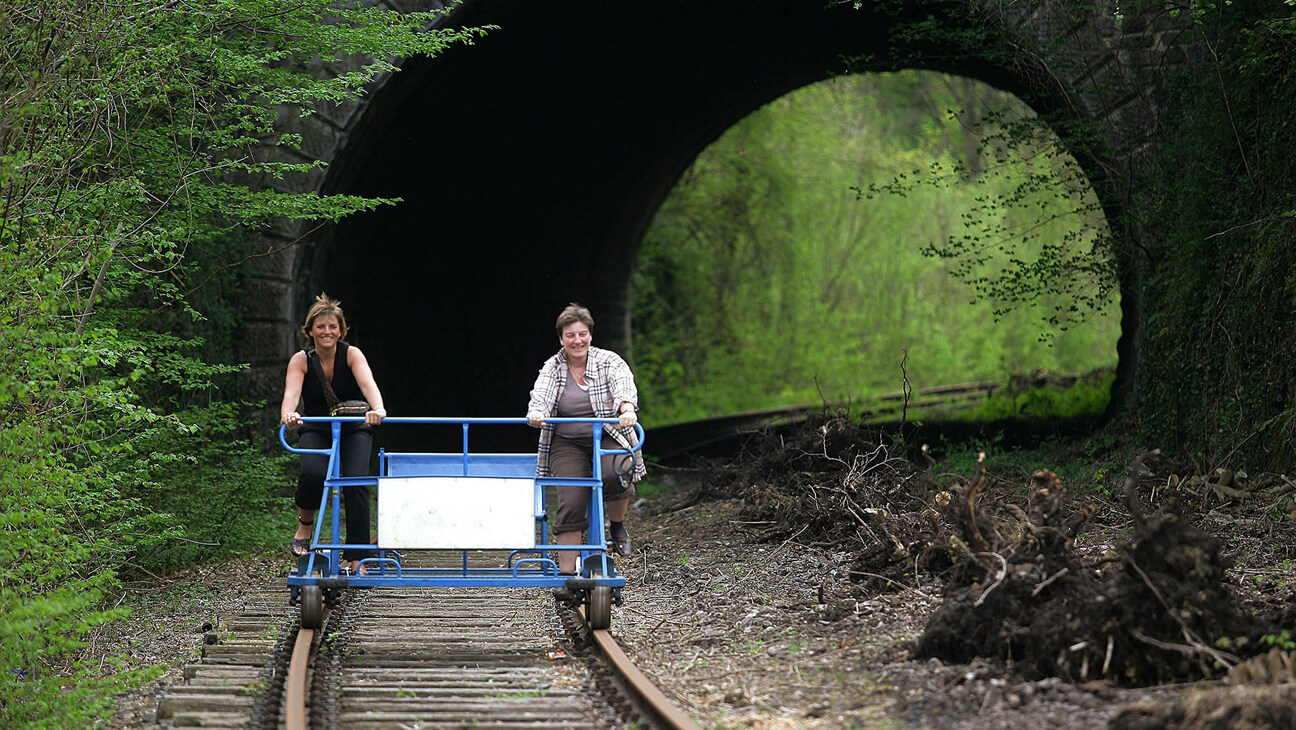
x=1233, y=708
x=1157, y=614
x=1154, y=609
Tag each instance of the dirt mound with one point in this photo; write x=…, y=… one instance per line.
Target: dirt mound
x=1155, y=608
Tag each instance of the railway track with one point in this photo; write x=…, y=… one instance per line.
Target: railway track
x=419, y=658
x=236, y=663
x=719, y=433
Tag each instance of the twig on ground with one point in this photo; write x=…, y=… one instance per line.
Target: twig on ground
x=977, y=542
x=1045, y=583
x=890, y=581
x=1131, y=487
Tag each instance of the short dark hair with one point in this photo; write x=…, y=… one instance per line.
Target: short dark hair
x=574, y=313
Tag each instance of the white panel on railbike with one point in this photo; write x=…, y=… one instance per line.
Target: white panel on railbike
x=468, y=513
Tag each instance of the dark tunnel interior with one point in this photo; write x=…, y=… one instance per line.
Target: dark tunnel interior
x=530, y=164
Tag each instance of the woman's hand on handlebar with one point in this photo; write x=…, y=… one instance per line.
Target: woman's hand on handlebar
x=375, y=416
x=291, y=419
x=535, y=418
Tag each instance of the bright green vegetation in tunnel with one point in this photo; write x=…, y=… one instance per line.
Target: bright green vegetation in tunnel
x=861, y=222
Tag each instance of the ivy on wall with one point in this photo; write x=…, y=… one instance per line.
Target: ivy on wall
x=1219, y=204
x=1203, y=213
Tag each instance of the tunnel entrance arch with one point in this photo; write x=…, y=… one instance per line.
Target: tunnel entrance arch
x=531, y=163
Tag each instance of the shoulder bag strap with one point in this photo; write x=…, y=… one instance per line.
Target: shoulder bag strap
x=329, y=395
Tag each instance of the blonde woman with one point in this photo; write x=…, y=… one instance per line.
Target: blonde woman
x=348, y=374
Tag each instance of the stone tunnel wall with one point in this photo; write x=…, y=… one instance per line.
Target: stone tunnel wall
x=1105, y=67
x=281, y=281
x=1109, y=67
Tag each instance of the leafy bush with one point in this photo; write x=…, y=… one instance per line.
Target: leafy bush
x=1087, y=396
x=135, y=138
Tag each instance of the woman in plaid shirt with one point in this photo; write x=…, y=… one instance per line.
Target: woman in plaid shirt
x=581, y=381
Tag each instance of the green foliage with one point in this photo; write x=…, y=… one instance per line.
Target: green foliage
x=136, y=139
x=1083, y=471
x=788, y=263
x=221, y=492
x=1035, y=232
x=1220, y=196
x=1086, y=397
x=1282, y=641
x=652, y=488
x=1206, y=238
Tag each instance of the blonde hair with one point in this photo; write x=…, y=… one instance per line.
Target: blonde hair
x=324, y=306
x=574, y=313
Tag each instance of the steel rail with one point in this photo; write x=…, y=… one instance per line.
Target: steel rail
x=665, y=713
x=295, y=717
x=679, y=439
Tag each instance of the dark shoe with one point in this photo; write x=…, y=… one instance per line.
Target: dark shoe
x=621, y=541
x=562, y=593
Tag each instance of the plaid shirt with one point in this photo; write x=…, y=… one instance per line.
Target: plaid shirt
x=610, y=384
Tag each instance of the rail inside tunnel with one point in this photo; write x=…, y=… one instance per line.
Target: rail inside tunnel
x=531, y=164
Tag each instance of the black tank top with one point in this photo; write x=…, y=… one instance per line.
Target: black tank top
x=344, y=384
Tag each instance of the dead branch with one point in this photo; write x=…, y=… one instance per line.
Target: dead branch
x=962, y=549
x=890, y=582
x=1018, y=512
x=1227, y=493
x=978, y=542
x=1045, y=583
x=1195, y=650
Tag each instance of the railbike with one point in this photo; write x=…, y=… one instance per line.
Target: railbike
x=486, y=509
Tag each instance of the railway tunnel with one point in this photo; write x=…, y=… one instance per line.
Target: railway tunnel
x=531, y=162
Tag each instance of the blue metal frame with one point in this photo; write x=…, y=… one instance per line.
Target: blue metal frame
x=524, y=568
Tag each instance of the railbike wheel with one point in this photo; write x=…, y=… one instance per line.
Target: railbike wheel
x=312, y=607
x=598, y=607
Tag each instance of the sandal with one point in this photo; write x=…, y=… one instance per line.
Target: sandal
x=301, y=545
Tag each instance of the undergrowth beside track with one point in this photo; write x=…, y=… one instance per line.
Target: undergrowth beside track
x=1005, y=537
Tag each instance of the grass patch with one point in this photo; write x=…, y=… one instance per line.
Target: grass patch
x=1094, y=464
x=1020, y=397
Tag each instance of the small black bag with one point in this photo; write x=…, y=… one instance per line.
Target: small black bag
x=350, y=408
x=336, y=407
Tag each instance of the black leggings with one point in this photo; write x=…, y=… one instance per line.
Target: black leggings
x=357, y=445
